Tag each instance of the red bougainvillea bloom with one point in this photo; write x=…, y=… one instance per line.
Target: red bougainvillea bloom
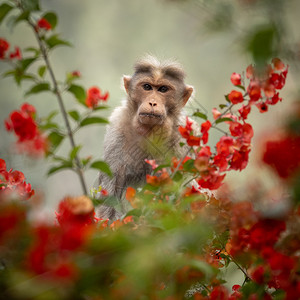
x=4, y=46
x=262, y=106
x=258, y=274
x=219, y=293
x=236, y=79
x=14, y=181
x=75, y=210
x=202, y=160
x=94, y=95
x=204, y=130
x=16, y=54
x=212, y=180
x=283, y=155
x=235, y=97
x=193, y=140
x=23, y=126
x=30, y=139
x=43, y=24
x=244, y=111
x=254, y=91
x=152, y=163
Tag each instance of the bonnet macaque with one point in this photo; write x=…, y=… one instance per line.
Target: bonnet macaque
x=144, y=127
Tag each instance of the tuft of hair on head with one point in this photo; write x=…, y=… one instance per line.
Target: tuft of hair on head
x=150, y=63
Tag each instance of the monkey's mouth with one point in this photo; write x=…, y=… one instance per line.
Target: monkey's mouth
x=150, y=118
x=151, y=115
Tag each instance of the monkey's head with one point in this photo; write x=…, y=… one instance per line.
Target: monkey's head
x=156, y=93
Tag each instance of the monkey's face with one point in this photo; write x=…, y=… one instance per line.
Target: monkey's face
x=154, y=98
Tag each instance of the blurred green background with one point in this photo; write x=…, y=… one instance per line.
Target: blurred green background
x=211, y=39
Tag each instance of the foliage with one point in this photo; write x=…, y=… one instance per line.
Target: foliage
x=179, y=238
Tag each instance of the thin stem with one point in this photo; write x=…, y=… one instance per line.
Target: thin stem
x=78, y=169
x=237, y=264
x=181, y=160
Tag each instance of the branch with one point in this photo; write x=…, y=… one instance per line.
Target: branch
x=79, y=168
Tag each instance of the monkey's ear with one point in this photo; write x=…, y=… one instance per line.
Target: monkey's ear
x=126, y=80
x=187, y=93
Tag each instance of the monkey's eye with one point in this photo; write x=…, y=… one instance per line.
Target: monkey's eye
x=163, y=89
x=147, y=87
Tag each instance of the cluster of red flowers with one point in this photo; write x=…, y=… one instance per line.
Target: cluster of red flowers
x=262, y=89
x=283, y=155
x=232, y=151
x=22, y=123
x=94, y=96
x=43, y=24
x=254, y=242
x=4, y=47
x=14, y=181
x=187, y=133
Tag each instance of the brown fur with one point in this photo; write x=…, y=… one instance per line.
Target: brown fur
x=144, y=127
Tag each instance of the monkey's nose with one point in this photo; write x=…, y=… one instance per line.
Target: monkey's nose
x=152, y=103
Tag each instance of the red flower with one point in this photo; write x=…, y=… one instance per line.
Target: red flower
x=258, y=275
x=219, y=293
x=94, y=95
x=262, y=106
x=17, y=54
x=23, y=126
x=244, y=111
x=239, y=160
x=254, y=90
x=4, y=46
x=193, y=140
x=44, y=24
x=236, y=79
x=278, y=64
x=265, y=233
x=283, y=155
x=75, y=210
x=204, y=130
x=235, y=97
x=212, y=180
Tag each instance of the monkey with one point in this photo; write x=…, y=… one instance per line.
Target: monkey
x=145, y=126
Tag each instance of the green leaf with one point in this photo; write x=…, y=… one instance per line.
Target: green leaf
x=31, y=5
x=52, y=115
x=37, y=88
x=222, y=106
x=49, y=125
x=227, y=99
x=5, y=8
x=241, y=87
x=223, y=120
x=54, y=41
x=55, y=139
x=86, y=160
x=34, y=50
x=51, y=18
x=101, y=107
x=22, y=17
x=65, y=165
x=178, y=176
x=74, y=152
x=42, y=70
x=74, y=114
x=188, y=165
x=200, y=115
x=79, y=93
x=93, y=120
x=102, y=166
x=25, y=63
x=261, y=43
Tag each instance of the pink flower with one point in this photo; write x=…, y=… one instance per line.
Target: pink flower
x=235, y=79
